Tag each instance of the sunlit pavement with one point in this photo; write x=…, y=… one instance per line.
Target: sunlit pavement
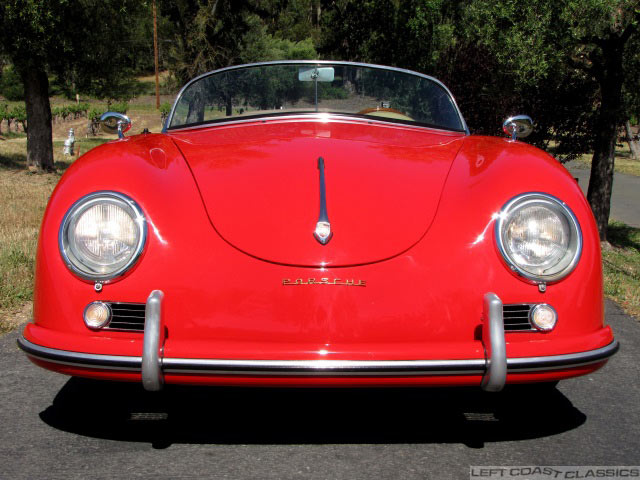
x=625, y=201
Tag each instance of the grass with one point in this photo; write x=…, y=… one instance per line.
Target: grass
x=23, y=196
x=82, y=146
x=621, y=267
x=623, y=164
x=163, y=76
x=9, y=135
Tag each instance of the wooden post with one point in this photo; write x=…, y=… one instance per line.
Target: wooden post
x=155, y=53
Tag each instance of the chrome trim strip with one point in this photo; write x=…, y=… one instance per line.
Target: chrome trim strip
x=323, y=225
x=317, y=367
x=152, y=378
x=494, y=344
x=558, y=362
x=324, y=117
x=139, y=219
x=78, y=359
x=316, y=62
x=324, y=367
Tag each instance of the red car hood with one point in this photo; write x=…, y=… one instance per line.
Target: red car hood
x=261, y=188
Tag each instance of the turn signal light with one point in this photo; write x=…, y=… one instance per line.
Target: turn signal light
x=97, y=315
x=543, y=317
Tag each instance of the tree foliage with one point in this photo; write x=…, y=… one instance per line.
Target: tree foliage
x=11, y=86
x=210, y=34
x=91, y=46
x=572, y=65
x=82, y=42
x=572, y=61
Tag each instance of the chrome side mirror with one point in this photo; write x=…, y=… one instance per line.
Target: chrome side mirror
x=114, y=122
x=519, y=126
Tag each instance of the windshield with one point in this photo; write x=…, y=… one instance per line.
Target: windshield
x=303, y=88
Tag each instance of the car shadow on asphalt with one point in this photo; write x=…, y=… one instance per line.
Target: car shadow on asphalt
x=219, y=415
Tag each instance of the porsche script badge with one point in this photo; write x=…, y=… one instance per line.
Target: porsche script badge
x=325, y=281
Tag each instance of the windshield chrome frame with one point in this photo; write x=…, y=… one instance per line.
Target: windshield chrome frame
x=165, y=127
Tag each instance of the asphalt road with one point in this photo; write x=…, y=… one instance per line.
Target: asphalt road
x=52, y=426
x=625, y=201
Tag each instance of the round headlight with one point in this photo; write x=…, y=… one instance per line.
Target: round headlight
x=102, y=235
x=539, y=237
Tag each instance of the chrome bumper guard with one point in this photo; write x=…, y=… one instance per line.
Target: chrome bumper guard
x=152, y=378
x=494, y=344
x=153, y=366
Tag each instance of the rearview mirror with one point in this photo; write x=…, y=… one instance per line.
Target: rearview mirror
x=316, y=74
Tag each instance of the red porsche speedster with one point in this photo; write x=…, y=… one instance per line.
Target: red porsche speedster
x=312, y=223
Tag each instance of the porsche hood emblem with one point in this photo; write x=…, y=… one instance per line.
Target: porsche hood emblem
x=323, y=232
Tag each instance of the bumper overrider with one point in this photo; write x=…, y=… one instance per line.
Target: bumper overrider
x=493, y=368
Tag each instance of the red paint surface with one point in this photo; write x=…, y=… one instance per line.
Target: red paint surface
x=423, y=303
x=260, y=185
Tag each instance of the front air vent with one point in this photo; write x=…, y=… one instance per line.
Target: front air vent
x=516, y=317
x=127, y=316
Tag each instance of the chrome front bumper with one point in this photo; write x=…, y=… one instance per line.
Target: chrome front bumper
x=153, y=366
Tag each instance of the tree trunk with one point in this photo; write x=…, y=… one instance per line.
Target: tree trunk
x=601, y=179
x=610, y=77
x=633, y=144
x=316, y=13
x=39, y=134
x=228, y=106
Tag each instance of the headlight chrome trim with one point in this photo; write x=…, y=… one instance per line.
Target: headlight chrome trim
x=82, y=204
x=556, y=204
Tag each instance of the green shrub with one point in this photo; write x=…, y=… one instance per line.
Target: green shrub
x=165, y=109
x=4, y=114
x=326, y=92
x=95, y=113
x=170, y=86
x=11, y=86
x=120, y=107
x=78, y=109
x=75, y=110
x=19, y=115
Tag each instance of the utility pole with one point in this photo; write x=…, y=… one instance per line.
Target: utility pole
x=155, y=53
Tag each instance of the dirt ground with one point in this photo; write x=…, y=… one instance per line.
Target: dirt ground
x=12, y=318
